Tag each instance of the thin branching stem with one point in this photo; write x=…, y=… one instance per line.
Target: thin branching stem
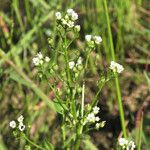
x=31, y=142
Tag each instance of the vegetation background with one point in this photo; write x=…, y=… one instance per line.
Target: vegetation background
x=25, y=26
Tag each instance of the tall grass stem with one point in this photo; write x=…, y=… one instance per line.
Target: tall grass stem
x=120, y=105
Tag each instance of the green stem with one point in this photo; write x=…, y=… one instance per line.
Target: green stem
x=69, y=80
x=67, y=63
x=57, y=97
x=87, y=59
x=79, y=132
x=63, y=131
x=15, y=4
x=55, y=93
x=82, y=105
x=94, y=101
x=27, y=9
x=67, y=145
x=121, y=111
x=120, y=105
x=31, y=142
x=77, y=144
x=67, y=68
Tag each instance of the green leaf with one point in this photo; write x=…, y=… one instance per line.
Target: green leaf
x=147, y=78
x=48, y=145
x=59, y=107
x=18, y=79
x=2, y=145
x=89, y=145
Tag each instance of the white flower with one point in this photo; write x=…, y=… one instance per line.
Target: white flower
x=74, y=16
x=97, y=125
x=39, y=55
x=79, y=61
x=123, y=142
x=119, y=68
x=97, y=118
x=58, y=15
x=88, y=38
x=47, y=59
x=93, y=40
x=131, y=146
x=97, y=39
x=64, y=22
x=70, y=24
x=112, y=65
x=21, y=126
x=116, y=67
x=100, y=124
x=38, y=59
x=12, y=124
x=96, y=110
x=35, y=61
x=91, y=117
x=71, y=64
x=20, y=119
x=70, y=12
x=77, y=28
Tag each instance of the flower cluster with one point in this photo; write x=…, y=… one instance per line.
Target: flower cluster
x=93, y=40
x=72, y=64
x=126, y=144
x=39, y=59
x=21, y=126
x=68, y=20
x=115, y=67
x=92, y=118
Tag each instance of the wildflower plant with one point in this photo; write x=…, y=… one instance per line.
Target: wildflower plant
x=77, y=118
